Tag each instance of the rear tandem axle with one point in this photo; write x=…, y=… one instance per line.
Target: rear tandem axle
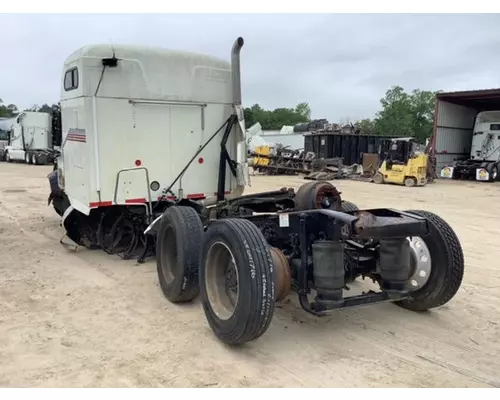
x=248, y=254
x=245, y=255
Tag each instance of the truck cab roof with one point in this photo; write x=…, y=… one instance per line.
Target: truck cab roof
x=145, y=72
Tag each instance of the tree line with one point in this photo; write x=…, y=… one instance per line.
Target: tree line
x=401, y=114
x=11, y=110
x=275, y=119
x=8, y=111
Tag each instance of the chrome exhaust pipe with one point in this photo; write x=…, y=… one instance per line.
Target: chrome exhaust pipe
x=236, y=71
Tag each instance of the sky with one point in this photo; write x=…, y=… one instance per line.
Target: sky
x=341, y=64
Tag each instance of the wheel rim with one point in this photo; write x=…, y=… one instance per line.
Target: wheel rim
x=494, y=173
x=169, y=255
x=33, y=159
x=221, y=281
x=420, y=264
x=409, y=182
x=27, y=158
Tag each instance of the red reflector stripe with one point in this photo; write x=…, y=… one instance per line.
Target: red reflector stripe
x=192, y=196
x=100, y=204
x=195, y=196
x=129, y=201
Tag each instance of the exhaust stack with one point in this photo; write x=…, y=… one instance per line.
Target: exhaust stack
x=236, y=72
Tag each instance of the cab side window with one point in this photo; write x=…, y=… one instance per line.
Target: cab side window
x=71, y=79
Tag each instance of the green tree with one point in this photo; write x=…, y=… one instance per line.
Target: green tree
x=395, y=118
x=275, y=119
x=406, y=114
x=249, y=117
x=304, y=110
x=366, y=126
x=8, y=111
x=44, y=108
x=423, y=106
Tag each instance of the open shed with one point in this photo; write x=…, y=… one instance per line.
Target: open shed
x=455, y=115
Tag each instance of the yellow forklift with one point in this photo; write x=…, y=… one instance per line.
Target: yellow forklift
x=404, y=164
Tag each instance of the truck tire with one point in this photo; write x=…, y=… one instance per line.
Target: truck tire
x=27, y=157
x=446, y=266
x=178, y=246
x=378, y=178
x=309, y=196
x=237, y=281
x=34, y=159
x=410, y=182
x=347, y=206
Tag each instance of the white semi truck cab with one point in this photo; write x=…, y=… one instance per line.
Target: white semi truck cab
x=486, y=137
x=30, y=139
x=154, y=163
x=5, y=129
x=484, y=162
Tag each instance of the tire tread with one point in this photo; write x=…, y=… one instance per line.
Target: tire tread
x=453, y=275
x=189, y=230
x=247, y=239
x=348, y=206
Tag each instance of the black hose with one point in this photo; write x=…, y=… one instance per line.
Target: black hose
x=142, y=257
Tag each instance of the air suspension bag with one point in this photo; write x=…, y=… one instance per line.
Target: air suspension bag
x=394, y=264
x=328, y=269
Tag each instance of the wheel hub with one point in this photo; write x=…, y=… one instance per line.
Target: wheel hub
x=328, y=197
x=232, y=283
x=420, y=264
x=283, y=273
x=222, y=280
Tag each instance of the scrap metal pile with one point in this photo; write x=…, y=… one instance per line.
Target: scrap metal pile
x=309, y=161
x=280, y=160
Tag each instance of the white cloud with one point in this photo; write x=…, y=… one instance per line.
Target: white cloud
x=340, y=64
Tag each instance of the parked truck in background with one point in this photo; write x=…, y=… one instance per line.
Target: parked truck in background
x=484, y=161
x=466, y=140
x=30, y=139
x=5, y=127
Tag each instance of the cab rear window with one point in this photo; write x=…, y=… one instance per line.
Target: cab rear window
x=71, y=79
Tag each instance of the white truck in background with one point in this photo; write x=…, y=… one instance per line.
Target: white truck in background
x=30, y=139
x=5, y=128
x=484, y=161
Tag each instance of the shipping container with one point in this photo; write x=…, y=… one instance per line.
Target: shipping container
x=347, y=146
x=308, y=143
x=455, y=115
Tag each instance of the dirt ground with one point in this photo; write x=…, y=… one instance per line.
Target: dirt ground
x=88, y=319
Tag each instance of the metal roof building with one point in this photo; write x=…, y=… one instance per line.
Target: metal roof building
x=455, y=114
